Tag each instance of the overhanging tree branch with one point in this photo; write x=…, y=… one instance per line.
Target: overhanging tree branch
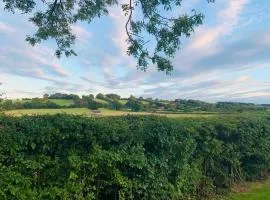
x=55, y=19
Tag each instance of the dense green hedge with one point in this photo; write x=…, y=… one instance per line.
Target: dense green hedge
x=140, y=158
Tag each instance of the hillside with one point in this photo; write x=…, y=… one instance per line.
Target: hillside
x=115, y=102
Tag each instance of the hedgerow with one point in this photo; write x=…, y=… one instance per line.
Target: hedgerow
x=131, y=157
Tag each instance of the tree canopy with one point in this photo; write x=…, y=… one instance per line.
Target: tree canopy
x=158, y=18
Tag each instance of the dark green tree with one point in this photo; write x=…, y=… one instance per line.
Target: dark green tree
x=91, y=96
x=115, y=105
x=134, y=104
x=159, y=19
x=100, y=96
x=93, y=105
x=113, y=96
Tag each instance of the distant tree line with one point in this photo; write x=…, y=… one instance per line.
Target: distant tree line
x=60, y=96
x=115, y=102
x=31, y=104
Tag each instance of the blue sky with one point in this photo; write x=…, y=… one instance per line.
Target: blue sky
x=226, y=59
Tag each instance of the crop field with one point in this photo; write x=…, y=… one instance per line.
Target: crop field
x=107, y=112
x=74, y=111
x=102, y=112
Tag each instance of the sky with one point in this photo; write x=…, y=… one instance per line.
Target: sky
x=226, y=59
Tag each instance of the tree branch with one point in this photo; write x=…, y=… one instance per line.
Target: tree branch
x=128, y=21
x=53, y=8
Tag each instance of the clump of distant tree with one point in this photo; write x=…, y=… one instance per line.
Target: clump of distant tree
x=134, y=104
x=100, y=96
x=113, y=96
x=61, y=96
x=240, y=107
x=35, y=103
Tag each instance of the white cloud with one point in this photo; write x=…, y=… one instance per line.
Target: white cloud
x=81, y=33
x=5, y=28
x=33, y=58
x=243, y=78
x=264, y=39
x=119, y=35
x=206, y=39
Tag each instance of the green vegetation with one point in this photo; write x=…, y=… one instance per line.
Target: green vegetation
x=130, y=157
x=253, y=191
x=123, y=101
x=115, y=102
x=133, y=148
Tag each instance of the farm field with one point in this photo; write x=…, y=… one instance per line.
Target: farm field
x=75, y=111
x=107, y=112
x=103, y=112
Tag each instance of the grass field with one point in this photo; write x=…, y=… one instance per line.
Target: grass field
x=145, y=102
x=62, y=102
x=252, y=191
x=101, y=101
x=123, y=101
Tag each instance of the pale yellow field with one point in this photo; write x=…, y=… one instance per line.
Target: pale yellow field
x=103, y=112
x=75, y=111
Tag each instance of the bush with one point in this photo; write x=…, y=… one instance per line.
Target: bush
x=132, y=157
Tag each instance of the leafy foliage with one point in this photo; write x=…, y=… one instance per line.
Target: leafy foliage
x=153, y=158
x=134, y=104
x=61, y=96
x=54, y=20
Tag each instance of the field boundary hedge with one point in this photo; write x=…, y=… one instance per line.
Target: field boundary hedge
x=131, y=157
